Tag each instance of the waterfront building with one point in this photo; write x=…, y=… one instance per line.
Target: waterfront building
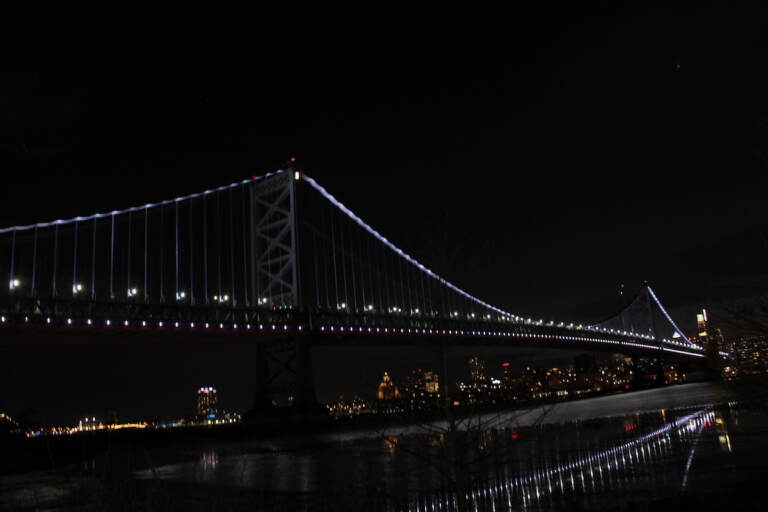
x=207, y=400
x=387, y=389
x=478, y=371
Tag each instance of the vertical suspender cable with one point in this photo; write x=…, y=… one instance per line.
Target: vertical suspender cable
x=423, y=300
x=34, y=263
x=342, y=250
x=363, y=262
x=408, y=272
x=176, y=249
x=243, y=223
x=333, y=249
x=112, y=260
x=255, y=243
x=375, y=270
x=191, y=253
x=13, y=260
x=399, y=262
x=232, y=250
x=162, y=253
x=146, y=254
x=128, y=283
x=74, y=260
x=205, y=248
x=326, y=267
x=218, y=241
x=386, y=278
x=352, y=261
x=314, y=259
x=54, y=291
x=93, y=261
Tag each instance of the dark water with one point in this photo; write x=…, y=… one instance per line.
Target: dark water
x=500, y=465
x=688, y=441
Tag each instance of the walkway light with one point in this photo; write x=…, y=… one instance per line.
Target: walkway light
x=132, y=292
x=181, y=295
x=77, y=288
x=13, y=284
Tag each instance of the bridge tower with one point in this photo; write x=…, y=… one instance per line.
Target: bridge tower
x=276, y=284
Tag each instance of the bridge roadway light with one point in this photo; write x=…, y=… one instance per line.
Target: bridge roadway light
x=181, y=295
x=77, y=288
x=13, y=284
x=132, y=292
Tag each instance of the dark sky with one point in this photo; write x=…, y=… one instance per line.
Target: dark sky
x=568, y=151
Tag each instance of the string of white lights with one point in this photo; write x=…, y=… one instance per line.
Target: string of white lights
x=138, y=208
x=399, y=251
x=669, y=318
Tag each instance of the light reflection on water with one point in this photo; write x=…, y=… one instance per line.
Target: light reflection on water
x=589, y=463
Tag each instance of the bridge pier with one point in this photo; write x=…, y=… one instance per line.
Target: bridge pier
x=298, y=366
x=262, y=402
x=305, y=399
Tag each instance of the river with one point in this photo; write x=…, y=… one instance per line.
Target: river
x=663, y=446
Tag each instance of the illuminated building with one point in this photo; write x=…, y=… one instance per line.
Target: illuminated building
x=387, y=389
x=712, y=339
x=207, y=399
x=420, y=390
x=702, y=323
x=431, y=382
x=507, y=374
x=477, y=370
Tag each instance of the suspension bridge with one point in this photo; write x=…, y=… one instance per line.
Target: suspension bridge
x=267, y=259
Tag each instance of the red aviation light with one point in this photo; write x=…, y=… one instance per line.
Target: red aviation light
x=505, y=364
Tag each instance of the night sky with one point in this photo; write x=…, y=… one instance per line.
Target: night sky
x=566, y=151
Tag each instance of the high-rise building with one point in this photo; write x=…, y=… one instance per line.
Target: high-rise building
x=477, y=370
x=387, y=389
x=712, y=339
x=207, y=399
x=702, y=325
x=431, y=382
